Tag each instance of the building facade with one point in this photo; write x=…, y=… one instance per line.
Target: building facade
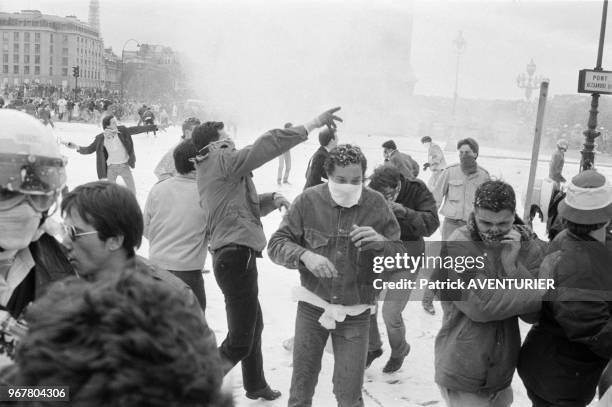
x=112, y=70
x=42, y=49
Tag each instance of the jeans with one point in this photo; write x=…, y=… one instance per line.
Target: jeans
x=123, y=170
x=195, y=281
x=448, y=227
x=394, y=302
x=284, y=160
x=350, y=345
x=236, y=274
x=456, y=398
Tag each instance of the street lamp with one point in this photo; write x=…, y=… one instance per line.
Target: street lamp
x=529, y=82
x=459, y=44
x=122, y=64
x=587, y=160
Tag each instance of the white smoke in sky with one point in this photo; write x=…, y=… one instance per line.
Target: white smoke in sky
x=268, y=63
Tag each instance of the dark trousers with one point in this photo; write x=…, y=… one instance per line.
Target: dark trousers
x=195, y=281
x=350, y=344
x=236, y=273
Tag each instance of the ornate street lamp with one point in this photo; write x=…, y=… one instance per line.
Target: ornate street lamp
x=529, y=82
x=122, y=64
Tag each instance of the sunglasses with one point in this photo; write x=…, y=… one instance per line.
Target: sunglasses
x=70, y=231
x=12, y=199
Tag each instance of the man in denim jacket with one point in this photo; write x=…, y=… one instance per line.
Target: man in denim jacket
x=331, y=234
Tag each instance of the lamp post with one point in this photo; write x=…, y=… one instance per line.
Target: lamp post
x=529, y=82
x=459, y=45
x=123, y=65
x=587, y=160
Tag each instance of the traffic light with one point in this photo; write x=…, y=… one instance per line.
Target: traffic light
x=75, y=71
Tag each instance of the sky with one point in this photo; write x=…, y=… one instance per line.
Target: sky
x=292, y=53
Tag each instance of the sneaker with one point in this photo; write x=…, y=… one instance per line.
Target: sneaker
x=394, y=364
x=373, y=355
x=266, y=393
x=429, y=308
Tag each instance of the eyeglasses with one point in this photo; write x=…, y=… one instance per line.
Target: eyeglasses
x=12, y=199
x=70, y=231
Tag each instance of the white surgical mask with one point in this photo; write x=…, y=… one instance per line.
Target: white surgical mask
x=345, y=195
x=18, y=227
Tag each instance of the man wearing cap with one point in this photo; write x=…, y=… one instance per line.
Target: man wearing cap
x=406, y=164
x=454, y=192
x=328, y=139
x=435, y=161
x=556, y=163
x=565, y=353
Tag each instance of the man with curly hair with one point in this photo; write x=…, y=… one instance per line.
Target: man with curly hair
x=126, y=341
x=330, y=234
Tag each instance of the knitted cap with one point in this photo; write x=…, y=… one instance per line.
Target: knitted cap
x=588, y=200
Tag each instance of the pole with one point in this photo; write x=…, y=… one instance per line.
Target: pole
x=535, y=151
x=587, y=160
x=121, y=98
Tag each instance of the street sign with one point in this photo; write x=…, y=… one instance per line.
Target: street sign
x=591, y=81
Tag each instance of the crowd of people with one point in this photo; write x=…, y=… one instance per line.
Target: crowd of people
x=120, y=329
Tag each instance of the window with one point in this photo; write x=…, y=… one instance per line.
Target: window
x=64, y=71
x=5, y=58
x=15, y=69
x=36, y=70
x=5, y=69
x=65, y=39
x=26, y=48
x=37, y=59
x=26, y=37
x=64, y=51
x=51, y=38
x=5, y=47
x=26, y=59
x=50, y=59
x=37, y=48
x=5, y=36
x=36, y=37
x=15, y=58
x=50, y=71
x=65, y=61
x=16, y=36
x=16, y=48
x=51, y=49
x=26, y=69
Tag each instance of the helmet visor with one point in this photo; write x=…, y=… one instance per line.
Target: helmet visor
x=40, y=203
x=32, y=175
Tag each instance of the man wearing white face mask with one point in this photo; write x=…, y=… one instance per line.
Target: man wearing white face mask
x=32, y=174
x=236, y=237
x=331, y=234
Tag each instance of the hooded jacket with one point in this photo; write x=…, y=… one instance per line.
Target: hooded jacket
x=565, y=353
x=477, y=347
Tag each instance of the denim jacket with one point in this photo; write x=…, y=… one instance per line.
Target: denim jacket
x=317, y=224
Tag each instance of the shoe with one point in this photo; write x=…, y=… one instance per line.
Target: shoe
x=286, y=182
x=373, y=355
x=429, y=308
x=266, y=393
x=394, y=364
